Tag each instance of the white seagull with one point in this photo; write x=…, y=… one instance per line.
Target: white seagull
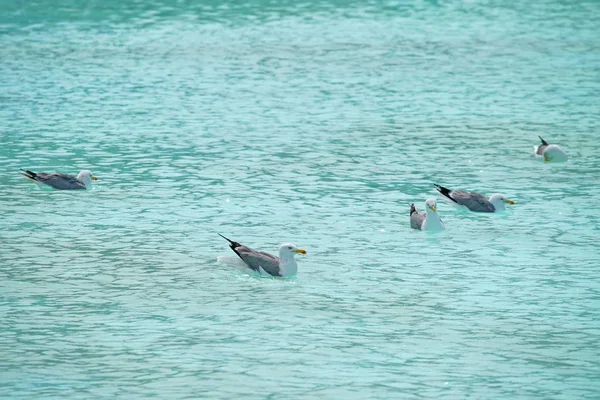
x=550, y=152
x=429, y=221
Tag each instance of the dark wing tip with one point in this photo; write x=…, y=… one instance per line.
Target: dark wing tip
x=444, y=191
x=543, y=141
x=27, y=173
x=413, y=209
x=441, y=189
x=232, y=244
x=229, y=240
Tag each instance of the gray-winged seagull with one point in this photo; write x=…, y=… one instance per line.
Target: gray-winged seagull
x=426, y=221
x=475, y=201
x=550, y=152
x=62, y=181
x=284, y=265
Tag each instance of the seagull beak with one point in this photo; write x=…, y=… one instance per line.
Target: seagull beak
x=546, y=158
x=301, y=251
x=432, y=208
x=94, y=178
x=509, y=202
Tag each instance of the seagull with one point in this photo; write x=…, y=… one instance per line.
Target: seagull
x=429, y=221
x=62, y=181
x=284, y=265
x=550, y=152
x=475, y=201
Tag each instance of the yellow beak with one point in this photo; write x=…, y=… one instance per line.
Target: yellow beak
x=432, y=208
x=546, y=159
x=94, y=178
x=301, y=251
x=510, y=202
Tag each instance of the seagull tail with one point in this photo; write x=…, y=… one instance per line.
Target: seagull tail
x=444, y=191
x=232, y=244
x=28, y=174
x=543, y=141
x=229, y=240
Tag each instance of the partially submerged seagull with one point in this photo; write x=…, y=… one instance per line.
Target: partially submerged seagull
x=62, y=181
x=550, y=152
x=475, y=201
x=539, y=150
x=429, y=221
x=259, y=261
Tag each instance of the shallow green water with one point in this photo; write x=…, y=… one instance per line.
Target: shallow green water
x=316, y=123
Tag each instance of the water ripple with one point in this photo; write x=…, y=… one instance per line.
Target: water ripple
x=313, y=122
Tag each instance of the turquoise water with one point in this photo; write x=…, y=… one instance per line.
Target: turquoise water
x=317, y=123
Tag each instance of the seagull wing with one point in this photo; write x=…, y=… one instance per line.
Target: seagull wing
x=55, y=180
x=416, y=217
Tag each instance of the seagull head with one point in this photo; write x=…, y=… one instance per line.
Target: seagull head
x=287, y=250
x=553, y=153
x=431, y=205
x=499, y=200
x=86, y=178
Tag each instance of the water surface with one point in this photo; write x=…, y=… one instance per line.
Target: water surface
x=316, y=123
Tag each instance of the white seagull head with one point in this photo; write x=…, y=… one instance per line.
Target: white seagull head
x=287, y=250
x=499, y=200
x=431, y=205
x=86, y=178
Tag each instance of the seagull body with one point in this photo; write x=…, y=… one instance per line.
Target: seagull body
x=259, y=261
x=475, y=201
x=426, y=221
x=62, y=181
x=550, y=152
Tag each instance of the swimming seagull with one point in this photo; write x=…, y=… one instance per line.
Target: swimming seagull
x=475, y=201
x=284, y=265
x=550, y=152
x=62, y=181
x=429, y=221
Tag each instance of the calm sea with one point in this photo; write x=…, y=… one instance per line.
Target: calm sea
x=312, y=122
